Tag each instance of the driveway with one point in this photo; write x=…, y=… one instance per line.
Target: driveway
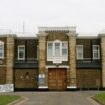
x=56, y=98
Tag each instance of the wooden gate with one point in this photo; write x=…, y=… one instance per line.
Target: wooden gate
x=57, y=78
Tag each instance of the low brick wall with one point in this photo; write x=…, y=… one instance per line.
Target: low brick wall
x=88, y=78
x=25, y=78
x=2, y=75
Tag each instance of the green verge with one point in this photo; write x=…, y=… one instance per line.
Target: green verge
x=100, y=97
x=6, y=99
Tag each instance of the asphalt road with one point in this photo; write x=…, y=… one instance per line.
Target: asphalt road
x=56, y=98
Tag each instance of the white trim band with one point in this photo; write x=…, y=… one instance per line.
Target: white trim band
x=43, y=87
x=71, y=87
x=54, y=66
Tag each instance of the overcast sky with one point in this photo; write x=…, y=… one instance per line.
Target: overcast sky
x=87, y=15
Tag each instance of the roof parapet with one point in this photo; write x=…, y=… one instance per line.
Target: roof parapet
x=71, y=29
x=88, y=37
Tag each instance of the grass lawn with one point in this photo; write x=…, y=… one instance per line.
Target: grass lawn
x=100, y=98
x=5, y=99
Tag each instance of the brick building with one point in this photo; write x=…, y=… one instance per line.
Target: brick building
x=57, y=59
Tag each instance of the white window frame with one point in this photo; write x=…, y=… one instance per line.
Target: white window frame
x=79, y=58
x=97, y=51
x=63, y=58
x=57, y=41
x=2, y=44
x=67, y=49
x=50, y=57
x=23, y=52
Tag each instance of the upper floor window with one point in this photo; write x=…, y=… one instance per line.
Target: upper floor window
x=21, y=52
x=79, y=51
x=57, y=50
x=1, y=50
x=50, y=49
x=64, y=49
x=96, y=52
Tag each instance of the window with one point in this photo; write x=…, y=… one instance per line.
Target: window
x=50, y=49
x=64, y=49
x=21, y=52
x=96, y=52
x=1, y=50
x=57, y=50
x=79, y=51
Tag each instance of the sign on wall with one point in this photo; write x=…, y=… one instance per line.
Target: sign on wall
x=6, y=88
x=57, y=60
x=41, y=79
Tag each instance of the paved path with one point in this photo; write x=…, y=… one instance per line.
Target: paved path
x=56, y=98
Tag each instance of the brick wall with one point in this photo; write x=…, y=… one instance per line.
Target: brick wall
x=72, y=59
x=103, y=60
x=25, y=78
x=2, y=75
x=87, y=46
x=30, y=47
x=88, y=78
x=10, y=59
x=62, y=36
